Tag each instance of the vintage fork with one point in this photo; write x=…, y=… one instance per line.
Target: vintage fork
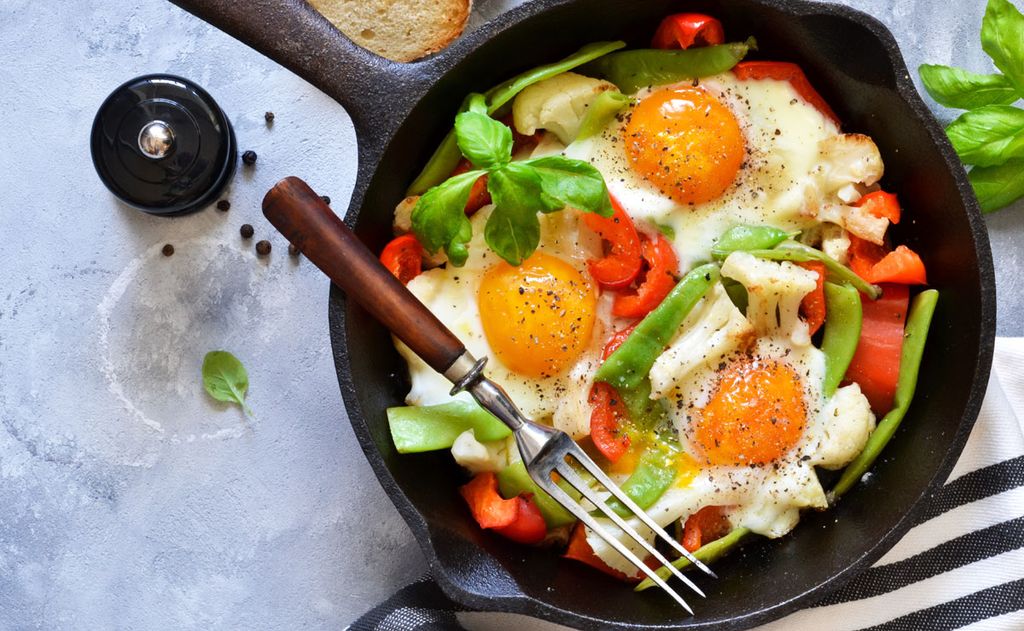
x=306, y=220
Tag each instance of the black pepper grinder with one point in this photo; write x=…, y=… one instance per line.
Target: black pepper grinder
x=161, y=143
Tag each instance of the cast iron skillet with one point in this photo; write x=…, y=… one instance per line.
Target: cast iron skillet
x=400, y=112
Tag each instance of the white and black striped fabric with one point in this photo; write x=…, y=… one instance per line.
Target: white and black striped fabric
x=960, y=567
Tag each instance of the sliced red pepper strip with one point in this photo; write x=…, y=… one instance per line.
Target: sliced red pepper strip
x=579, y=550
x=902, y=265
x=529, y=526
x=864, y=255
x=518, y=519
x=620, y=267
x=684, y=30
x=607, y=409
x=785, y=71
x=478, y=195
x=403, y=257
x=663, y=265
x=876, y=363
x=704, y=526
x=881, y=204
x=812, y=307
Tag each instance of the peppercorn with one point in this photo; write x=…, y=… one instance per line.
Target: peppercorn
x=249, y=157
x=168, y=250
x=263, y=247
x=292, y=250
x=269, y=117
x=326, y=198
x=223, y=205
x=246, y=231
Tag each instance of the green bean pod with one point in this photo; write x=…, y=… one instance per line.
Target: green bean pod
x=843, y=319
x=707, y=553
x=447, y=155
x=653, y=475
x=915, y=334
x=418, y=428
x=635, y=69
x=600, y=112
x=628, y=366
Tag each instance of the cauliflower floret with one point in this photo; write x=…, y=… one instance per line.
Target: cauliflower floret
x=850, y=159
x=477, y=456
x=849, y=423
x=774, y=291
x=835, y=242
x=403, y=214
x=557, y=104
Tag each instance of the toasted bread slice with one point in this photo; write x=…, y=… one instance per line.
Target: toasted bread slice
x=402, y=30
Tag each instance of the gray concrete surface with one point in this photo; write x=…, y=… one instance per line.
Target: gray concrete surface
x=129, y=500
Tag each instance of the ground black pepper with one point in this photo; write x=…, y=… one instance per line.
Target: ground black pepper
x=263, y=247
x=223, y=205
x=249, y=157
x=168, y=250
x=246, y=231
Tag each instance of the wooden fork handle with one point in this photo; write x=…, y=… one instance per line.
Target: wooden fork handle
x=310, y=224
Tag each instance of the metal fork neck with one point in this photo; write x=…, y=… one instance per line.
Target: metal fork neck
x=466, y=372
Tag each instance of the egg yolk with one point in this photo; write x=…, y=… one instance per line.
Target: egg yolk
x=537, y=317
x=755, y=415
x=686, y=143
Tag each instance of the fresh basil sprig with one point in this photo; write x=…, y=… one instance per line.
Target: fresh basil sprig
x=990, y=135
x=519, y=190
x=225, y=378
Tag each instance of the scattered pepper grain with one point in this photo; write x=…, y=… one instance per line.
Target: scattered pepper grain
x=168, y=250
x=326, y=198
x=292, y=250
x=246, y=231
x=263, y=247
x=249, y=157
x=269, y=117
x=223, y=205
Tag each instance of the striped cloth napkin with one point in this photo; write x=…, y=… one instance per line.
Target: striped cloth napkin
x=960, y=567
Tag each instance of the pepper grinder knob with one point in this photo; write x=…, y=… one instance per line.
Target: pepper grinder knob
x=161, y=143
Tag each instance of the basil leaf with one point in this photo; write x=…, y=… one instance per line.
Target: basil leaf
x=225, y=378
x=1002, y=37
x=513, y=230
x=955, y=87
x=573, y=183
x=998, y=186
x=486, y=142
x=989, y=135
x=439, y=218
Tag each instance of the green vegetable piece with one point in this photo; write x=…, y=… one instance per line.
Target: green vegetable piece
x=988, y=136
x=628, y=366
x=600, y=113
x=514, y=480
x=513, y=230
x=843, y=320
x=914, y=337
x=745, y=237
x=1002, y=37
x=707, y=553
x=667, y=230
x=644, y=412
x=225, y=378
x=998, y=186
x=800, y=253
x=447, y=155
x=486, y=142
x=648, y=482
x=417, y=428
x=631, y=70
x=573, y=183
x=439, y=220
x=737, y=293
x=955, y=87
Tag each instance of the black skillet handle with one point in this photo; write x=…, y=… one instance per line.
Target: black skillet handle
x=292, y=33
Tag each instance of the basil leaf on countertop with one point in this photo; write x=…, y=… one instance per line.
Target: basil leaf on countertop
x=486, y=142
x=989, y=135
x=439, y=219
x=998, y=186
x=1002, y=37
x=225, y=378
x=573, y=183
x=513, y=230
x=955, y=87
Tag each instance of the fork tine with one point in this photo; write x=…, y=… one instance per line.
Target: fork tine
x=595, y=471
x=573, y=507
x=573, y=478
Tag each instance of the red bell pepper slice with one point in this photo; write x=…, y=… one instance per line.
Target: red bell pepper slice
x=812, y=307
x=876, y=363
x=704, y=526
x=876, y=265
x=662, y=267
x=785, y=71
x=881, y=204
x=620, y=267
x=478, y=195
x=403, y=257
x=579, y=550
x=607, y=410
x=518, y=519
x=684, y=30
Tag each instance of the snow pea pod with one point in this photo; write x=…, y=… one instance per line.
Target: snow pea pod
x=745, y=238
x=800, y=253
x=843, y=317
x=707, y=553
x=514, y=480
x=635, y=69
x=648, y=482
x=628, y=366
x=600, y=112
x=417, y=428
x=914, y=336
x=444, y=159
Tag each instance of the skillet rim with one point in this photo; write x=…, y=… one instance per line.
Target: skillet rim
x=524, y=604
